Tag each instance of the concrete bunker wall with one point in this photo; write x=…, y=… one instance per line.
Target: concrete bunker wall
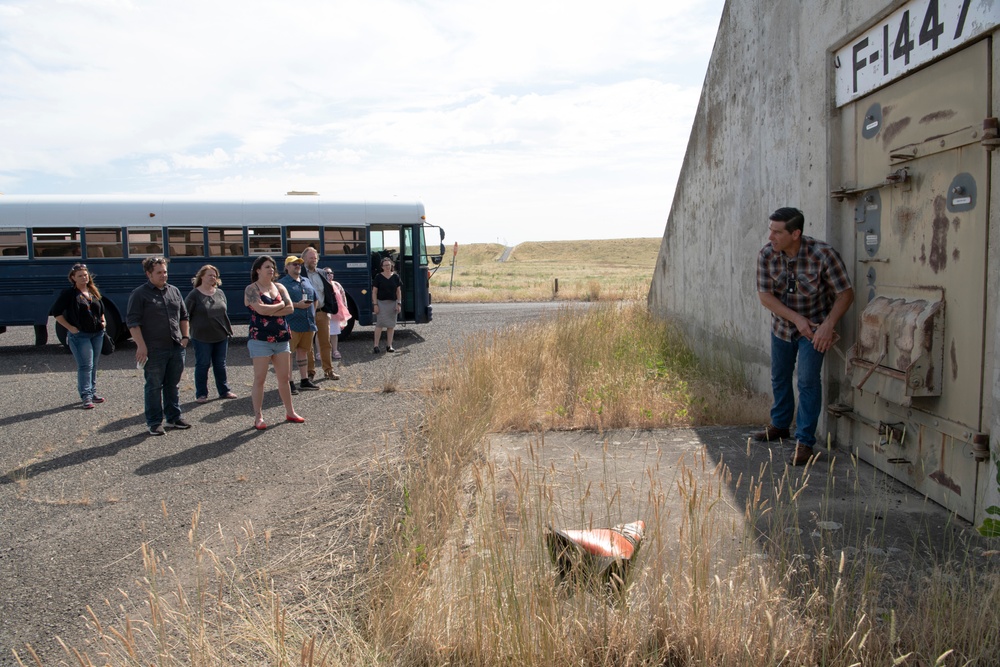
x=769, y=133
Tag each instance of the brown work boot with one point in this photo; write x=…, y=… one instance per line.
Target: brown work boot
x=802, y=454
x=771, y=433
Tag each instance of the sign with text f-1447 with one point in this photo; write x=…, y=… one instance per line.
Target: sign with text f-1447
x=914, y=35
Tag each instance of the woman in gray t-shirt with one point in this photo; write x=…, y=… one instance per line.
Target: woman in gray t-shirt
x=210, y=332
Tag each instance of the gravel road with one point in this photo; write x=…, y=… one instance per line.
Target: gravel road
x=80, y=491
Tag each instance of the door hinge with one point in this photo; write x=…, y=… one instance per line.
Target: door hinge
x=991, y=136
x=981, y=447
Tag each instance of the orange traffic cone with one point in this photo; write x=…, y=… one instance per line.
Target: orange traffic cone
x=600, y=557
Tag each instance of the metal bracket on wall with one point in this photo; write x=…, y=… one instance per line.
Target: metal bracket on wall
x=899, y=177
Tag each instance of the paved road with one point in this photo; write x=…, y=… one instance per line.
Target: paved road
x=81, y=490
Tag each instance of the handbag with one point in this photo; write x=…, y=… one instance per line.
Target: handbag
x=108, y=347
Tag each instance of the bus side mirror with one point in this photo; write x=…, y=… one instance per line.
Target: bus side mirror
x=438, y=257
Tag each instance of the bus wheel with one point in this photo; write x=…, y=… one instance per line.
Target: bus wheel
x=345, y=333
x=41, y=334
x=61, y=335
x=115, y=327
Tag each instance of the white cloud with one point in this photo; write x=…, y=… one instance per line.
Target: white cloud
x=541, y=106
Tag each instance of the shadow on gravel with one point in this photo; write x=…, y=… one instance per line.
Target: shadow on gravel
x=72, y=459
x=194, y=455
x=22, y=417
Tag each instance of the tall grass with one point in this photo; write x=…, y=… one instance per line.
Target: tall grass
x=717, y=582
x=455, y=571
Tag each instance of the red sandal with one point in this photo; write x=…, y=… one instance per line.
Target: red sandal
x=295, y=419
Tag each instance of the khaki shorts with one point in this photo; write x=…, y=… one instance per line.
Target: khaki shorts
x=302, y=340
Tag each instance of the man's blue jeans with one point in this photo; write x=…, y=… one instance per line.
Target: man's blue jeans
x=86, y=349
x=214, y=355
x=164, y=367
x=810, y=362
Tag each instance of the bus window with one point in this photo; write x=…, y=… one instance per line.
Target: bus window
x=344, y=241
x=145, y=241
x=104, y=242
x=56, y=242
x=264, y=241
x=13, y=243
x=385, y=240
x=225, y=241
x=186, y=242
x=300, y=238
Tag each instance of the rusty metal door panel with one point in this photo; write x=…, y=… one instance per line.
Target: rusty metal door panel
x=936, y=464
x=921, y=238
x=934, y=110
x=922, y=245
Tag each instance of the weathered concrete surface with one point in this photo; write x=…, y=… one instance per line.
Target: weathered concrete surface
x=599, y=480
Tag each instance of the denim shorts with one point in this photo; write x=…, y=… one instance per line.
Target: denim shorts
x=262, y=348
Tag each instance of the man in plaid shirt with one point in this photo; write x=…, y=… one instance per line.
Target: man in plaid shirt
x=804, y=283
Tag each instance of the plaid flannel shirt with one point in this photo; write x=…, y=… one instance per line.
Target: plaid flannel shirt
x=807, y=283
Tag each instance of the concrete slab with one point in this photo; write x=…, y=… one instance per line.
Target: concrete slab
x=737, y=495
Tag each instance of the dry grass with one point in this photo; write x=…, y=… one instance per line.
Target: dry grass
x=458, y=575
x=607, y=270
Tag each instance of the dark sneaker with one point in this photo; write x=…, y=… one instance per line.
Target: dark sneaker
x=771, y=433
x=802, y=454
x=178, y=424
x=309, y=385
x=98, y=399
x=295, y=388
x=157, y=430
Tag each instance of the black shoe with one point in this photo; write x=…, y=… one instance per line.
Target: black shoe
x=309, y=385
x=295, y=389
x=179, y=424
x=157, y=430
x=390, y=349
x=376, y=350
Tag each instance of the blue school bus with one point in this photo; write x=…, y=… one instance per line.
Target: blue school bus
x=43, y=236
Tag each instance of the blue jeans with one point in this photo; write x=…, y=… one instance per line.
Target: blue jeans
x=86, y=349
x=783, y=358
x=214, y=355
x=163, y=371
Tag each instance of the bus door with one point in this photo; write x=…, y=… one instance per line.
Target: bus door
x=396, y=242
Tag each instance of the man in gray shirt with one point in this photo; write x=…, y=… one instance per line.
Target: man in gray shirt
x=158, y=322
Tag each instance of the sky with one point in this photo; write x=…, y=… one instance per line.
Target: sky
x=523, y=120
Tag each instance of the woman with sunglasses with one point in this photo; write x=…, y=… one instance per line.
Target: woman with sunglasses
x=80, y=311
x=268, y=337
x=210, y=332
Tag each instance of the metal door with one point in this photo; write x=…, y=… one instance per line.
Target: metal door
x=920, y=225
